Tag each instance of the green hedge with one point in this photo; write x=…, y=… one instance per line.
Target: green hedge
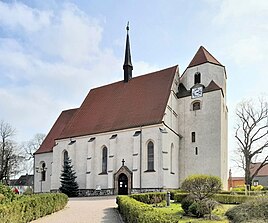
x=150, y=198
x=232, y=199
x=178, y=197
x=28, y=208
x=134, y=211
x=252, y=211
x=221, y=198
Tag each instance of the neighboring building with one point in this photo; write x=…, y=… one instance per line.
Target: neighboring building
x=262, y=177
x=146, y=133
x=24, y=182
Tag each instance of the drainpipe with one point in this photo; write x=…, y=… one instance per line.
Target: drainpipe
x=140, y=157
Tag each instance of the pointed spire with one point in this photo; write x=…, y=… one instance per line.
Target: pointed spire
x=203, y=56
x=127, y=64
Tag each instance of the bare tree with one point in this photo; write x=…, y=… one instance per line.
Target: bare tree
x=252, y=136
x=9, y=160
x=33, y=145
x=28, y=150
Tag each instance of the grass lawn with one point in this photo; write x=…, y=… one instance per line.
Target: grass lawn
x=176, y=211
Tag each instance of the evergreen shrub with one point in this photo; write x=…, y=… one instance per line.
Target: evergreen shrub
x=255, y=210
x=27, y=208
x=186, y=202
x=134, y=211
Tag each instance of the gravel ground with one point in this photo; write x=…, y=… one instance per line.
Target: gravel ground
x=85, y=209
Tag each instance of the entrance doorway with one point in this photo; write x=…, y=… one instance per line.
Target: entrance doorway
x=122, y=184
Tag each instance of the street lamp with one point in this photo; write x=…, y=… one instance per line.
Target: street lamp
x=42, y=170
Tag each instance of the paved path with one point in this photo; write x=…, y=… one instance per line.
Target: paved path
x=85, y=209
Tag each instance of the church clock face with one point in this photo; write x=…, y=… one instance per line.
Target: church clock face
x=197, y=92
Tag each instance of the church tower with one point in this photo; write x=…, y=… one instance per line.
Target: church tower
x=203, y=118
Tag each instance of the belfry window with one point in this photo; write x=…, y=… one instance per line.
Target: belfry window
x=104, y=160
x=150, y=156
x=196, y=106
x=197, y=78
x=193, y=136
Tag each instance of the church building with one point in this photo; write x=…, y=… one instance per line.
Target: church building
x=144, y=133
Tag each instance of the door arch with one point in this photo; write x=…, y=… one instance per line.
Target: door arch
x=122, y=184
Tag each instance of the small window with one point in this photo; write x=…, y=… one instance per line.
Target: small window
x=65, y=157
x=197, y=78
x=193, y=136
x=43, y=172
x=171, y=157
x=104, y=160
x=196, y=106
x=150, y=156
x=196, y=151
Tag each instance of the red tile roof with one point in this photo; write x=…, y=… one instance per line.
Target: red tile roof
x=55, y=132
x=203, y=56
x=141, y=101
x=262, y=172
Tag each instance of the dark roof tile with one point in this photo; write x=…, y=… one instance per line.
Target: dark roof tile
x=59, y=125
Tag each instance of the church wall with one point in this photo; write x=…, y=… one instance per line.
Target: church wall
x=224, y=144
x=87, y=158
x=170, y=144
x=206, y=123
x=39, y=159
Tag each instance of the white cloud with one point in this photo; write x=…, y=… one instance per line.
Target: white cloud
x=48, y=62
x=18, y=15
x=239, y=9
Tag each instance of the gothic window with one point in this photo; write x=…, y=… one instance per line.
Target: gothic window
x=104, y=160
x=43, y=172
x=193, y=136
x=150, y=154
x=197, y=78
x=196, y=106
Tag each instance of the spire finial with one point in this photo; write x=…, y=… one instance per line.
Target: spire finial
x=127, y=27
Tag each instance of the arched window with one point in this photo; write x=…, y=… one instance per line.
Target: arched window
x=104, y=160
x=197, y=78
x=196, y=106
x=65, y=156
x=150, y=154
x=43, y=171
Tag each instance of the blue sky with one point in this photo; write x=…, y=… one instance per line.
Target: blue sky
x=53, y=52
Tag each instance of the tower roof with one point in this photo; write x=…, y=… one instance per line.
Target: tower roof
x=127, y=67
x=127, y=61
x=203, y=56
